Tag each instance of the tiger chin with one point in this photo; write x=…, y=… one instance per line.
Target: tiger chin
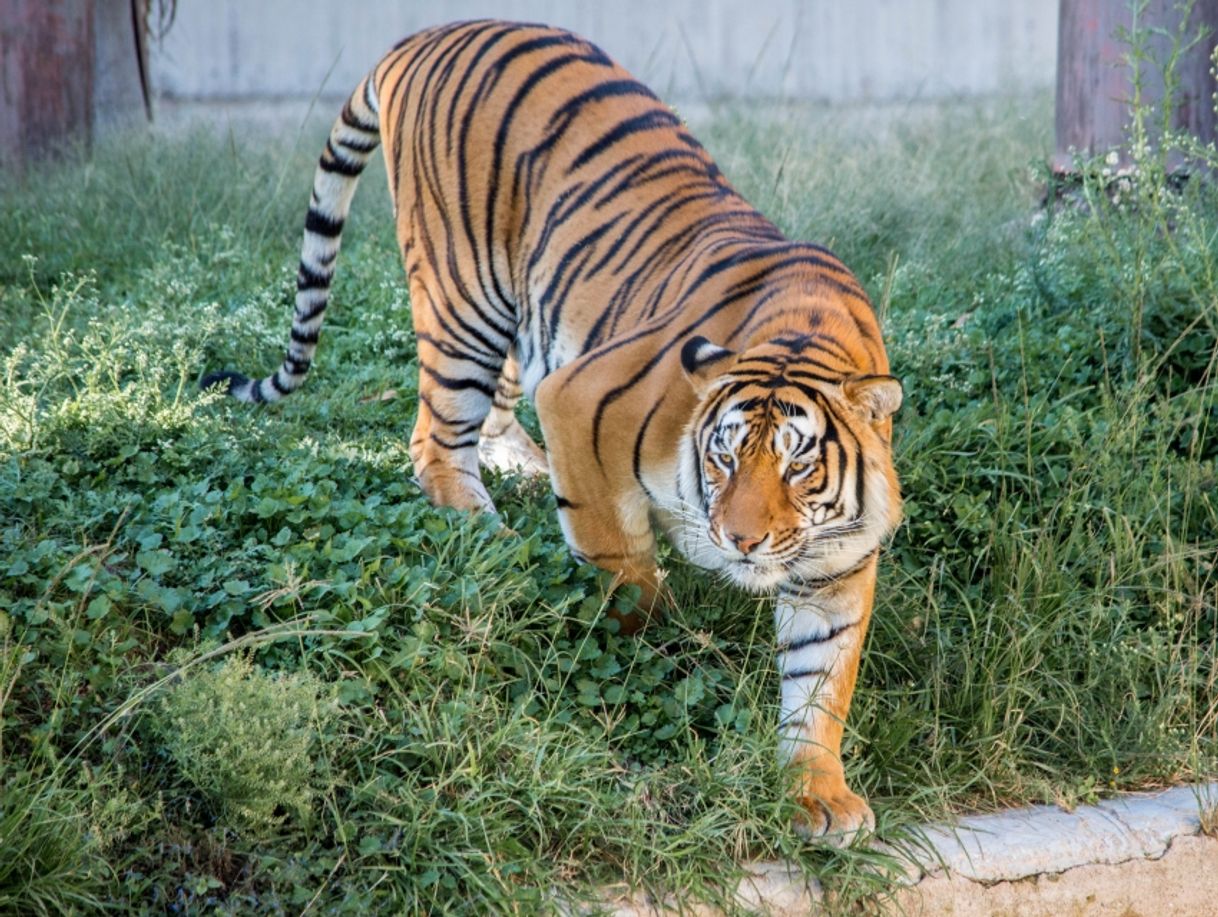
x=566, y=238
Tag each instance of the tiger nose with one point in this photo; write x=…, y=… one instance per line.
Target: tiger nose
x=745, y=544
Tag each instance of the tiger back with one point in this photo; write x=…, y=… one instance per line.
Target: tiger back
x=565, y=237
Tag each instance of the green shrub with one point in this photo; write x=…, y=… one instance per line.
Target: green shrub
x=248, y=741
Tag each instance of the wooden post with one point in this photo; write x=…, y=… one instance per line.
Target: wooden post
x=46, y=76
x=1094, y=87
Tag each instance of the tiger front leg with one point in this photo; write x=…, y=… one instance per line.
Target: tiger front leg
x=820, y=640
x=610, y=530
x=603, y=512
x=601, y=539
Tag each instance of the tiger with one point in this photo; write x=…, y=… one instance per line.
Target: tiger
x=693, y=371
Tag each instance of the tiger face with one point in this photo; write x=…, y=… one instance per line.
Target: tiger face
x=790, y=468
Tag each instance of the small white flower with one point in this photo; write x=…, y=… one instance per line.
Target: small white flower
x=1112, y=158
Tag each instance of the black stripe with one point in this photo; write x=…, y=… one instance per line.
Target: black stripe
x=808, y=641
x=450, y=315
x=309, y=279
x=371, y=100
x=644, y=122
x=457, y=385
x=426, y=159
x=335, y=164
x=450, y=421
x=804, y=673
x=351, y=119
x=563, y=208
x=642, y=174
x=604, y=90
x=486, y=85
x=331, y=161
x=490, y=360
x=453, y=445
x=644, y=213
x=317, y=222
x=547, y=69
x=556, y=290
x=860, y=474
x=832, y=373
x=806, y=584
x=303, y=316
x=305, y=337
x=359, y=146
x=455, y=104
x=638, y=440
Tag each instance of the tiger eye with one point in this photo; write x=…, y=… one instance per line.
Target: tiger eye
x=797, y=468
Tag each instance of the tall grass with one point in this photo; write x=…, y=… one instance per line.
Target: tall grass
x=467, y=727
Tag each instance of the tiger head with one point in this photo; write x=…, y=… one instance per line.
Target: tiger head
x=790, y=465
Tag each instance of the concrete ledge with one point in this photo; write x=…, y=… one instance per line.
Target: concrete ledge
x=1042, y=840
x=1140, y=854
x=1181, y=883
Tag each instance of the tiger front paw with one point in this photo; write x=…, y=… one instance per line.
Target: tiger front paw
x=837, y=816
x=654, y=599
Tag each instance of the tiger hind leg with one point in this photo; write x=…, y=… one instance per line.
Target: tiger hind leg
x=504, y=444
x=457, y=383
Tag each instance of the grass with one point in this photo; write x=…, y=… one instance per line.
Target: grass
x=443, y=717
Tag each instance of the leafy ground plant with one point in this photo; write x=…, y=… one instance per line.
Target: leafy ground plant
x=462, y=726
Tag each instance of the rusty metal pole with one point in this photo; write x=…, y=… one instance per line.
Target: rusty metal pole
x=1094, y=87
x=46, y=76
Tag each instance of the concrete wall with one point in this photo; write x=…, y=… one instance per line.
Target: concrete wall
x=688, y=50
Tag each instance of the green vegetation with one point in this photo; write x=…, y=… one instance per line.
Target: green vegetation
x=245, y=667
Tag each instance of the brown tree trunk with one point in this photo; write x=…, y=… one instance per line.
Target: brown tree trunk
x=1094, y=81
x=46, y=76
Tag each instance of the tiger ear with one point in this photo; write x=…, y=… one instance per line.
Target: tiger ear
x=703, y=362
x=875, y=397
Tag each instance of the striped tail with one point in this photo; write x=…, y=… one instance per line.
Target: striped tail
x=353, y=139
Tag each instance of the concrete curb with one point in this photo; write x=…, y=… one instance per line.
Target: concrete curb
x=1183, y=882
x=1139, y=854
x=1042, y=840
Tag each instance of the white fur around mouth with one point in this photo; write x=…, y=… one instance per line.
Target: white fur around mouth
x=823, y=514
x=757, y=577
